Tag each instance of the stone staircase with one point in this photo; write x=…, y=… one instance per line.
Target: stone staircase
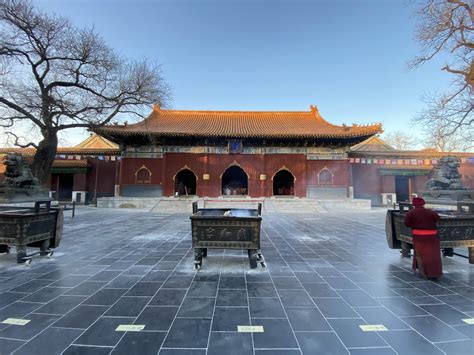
x=174, y=205
x=292, y=205
x=231, y=202
x=168, y=205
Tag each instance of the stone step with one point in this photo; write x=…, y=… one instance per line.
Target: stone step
x=292, y=205
x=176, y=205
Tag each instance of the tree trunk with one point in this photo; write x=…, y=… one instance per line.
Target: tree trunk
x=44, y=156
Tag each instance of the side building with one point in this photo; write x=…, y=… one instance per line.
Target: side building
x=81, y=173
x=386, y=175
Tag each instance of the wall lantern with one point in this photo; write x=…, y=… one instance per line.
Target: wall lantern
x=205, y=176
x=263, y=176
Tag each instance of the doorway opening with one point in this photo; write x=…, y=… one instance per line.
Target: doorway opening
x=185, y=183
x=234, y=181
x=283, y=183
x=64, y=185
x=402, y=188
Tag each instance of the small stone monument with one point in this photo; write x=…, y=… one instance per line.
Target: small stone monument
x=19, y=184
x=445, y=187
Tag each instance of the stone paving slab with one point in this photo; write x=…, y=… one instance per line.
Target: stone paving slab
x=327, y=275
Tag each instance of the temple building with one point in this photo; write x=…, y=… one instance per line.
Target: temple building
x=236, y=153
x=241, y=154
x=386, y=175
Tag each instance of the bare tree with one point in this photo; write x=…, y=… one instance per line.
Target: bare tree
x=56, y=77
x=400, y=140
x=460, y=141
x=448, y=26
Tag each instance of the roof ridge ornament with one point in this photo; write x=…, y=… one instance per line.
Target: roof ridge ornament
x=157, y=107
x=314, y=109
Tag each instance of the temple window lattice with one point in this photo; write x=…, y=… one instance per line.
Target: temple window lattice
x=143, y=175
x=325, y=177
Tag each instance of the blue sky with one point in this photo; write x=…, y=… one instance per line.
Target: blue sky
x=347, y=57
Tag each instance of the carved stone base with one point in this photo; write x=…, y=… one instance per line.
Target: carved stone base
x=20, y=195
x=448, y=197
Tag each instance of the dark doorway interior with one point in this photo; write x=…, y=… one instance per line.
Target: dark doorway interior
x=64, y=186
x=402, y=188
x=185, y=183
x=283, y=183
x=234, y=181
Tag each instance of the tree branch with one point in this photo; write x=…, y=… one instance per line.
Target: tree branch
x=17, y=139
x=21, y=110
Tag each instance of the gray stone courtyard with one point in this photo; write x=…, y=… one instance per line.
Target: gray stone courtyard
x=327, y=274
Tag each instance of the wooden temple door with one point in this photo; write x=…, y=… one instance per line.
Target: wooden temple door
x=402, y=188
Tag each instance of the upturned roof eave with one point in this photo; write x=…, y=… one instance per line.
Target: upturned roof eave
x=345, y=135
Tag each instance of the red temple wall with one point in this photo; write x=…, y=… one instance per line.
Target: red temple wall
x=103, y=173
x=419, y=182
x=340, y=169
x=305, y=172
x=295, y=163
x=214, y=165
x=388, y=183
x=467, y=175
x=366, y=180
x=79, y=182
x=253, y=164
x=129, y=166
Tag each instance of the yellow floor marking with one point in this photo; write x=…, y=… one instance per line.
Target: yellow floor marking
x=129, y=328
x=468, y=320
x=372, y=327
x=250, y=328
x=16, y=321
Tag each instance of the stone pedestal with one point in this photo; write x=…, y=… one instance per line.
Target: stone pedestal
x=20, y=195
x=448, y=197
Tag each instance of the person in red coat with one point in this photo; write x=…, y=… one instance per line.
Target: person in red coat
x=426, y=245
